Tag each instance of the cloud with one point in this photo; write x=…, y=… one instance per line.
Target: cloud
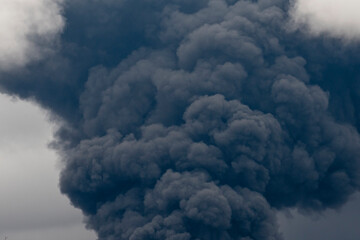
x=337, y=18
x=28, y=29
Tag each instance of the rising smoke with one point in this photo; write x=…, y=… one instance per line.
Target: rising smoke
x=186, y=120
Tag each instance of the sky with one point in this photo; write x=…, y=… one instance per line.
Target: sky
x=27, y=164
x=339, y=224
x=336, y=18
x=214, y=119
x=28, y=30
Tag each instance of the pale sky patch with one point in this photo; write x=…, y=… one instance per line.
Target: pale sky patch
x=31, y=205
x=28, y=30
x=336, y=18
x=330, y=225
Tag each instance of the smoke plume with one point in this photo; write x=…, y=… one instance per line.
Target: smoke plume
x=185, y=120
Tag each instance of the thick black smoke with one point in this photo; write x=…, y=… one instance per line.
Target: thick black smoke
x=187, y=120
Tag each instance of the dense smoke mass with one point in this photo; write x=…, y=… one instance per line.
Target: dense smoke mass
x=197, y=120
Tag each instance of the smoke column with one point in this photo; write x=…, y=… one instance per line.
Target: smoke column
x=197, y=120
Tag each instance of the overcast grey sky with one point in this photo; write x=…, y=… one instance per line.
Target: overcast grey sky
x=31, y=206
x=331, y=225
x=337, y=18
x=24, y=24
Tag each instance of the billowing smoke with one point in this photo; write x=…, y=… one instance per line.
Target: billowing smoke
x=186, y=120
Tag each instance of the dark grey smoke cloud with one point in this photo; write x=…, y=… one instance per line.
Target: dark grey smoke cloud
x=191, y=120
